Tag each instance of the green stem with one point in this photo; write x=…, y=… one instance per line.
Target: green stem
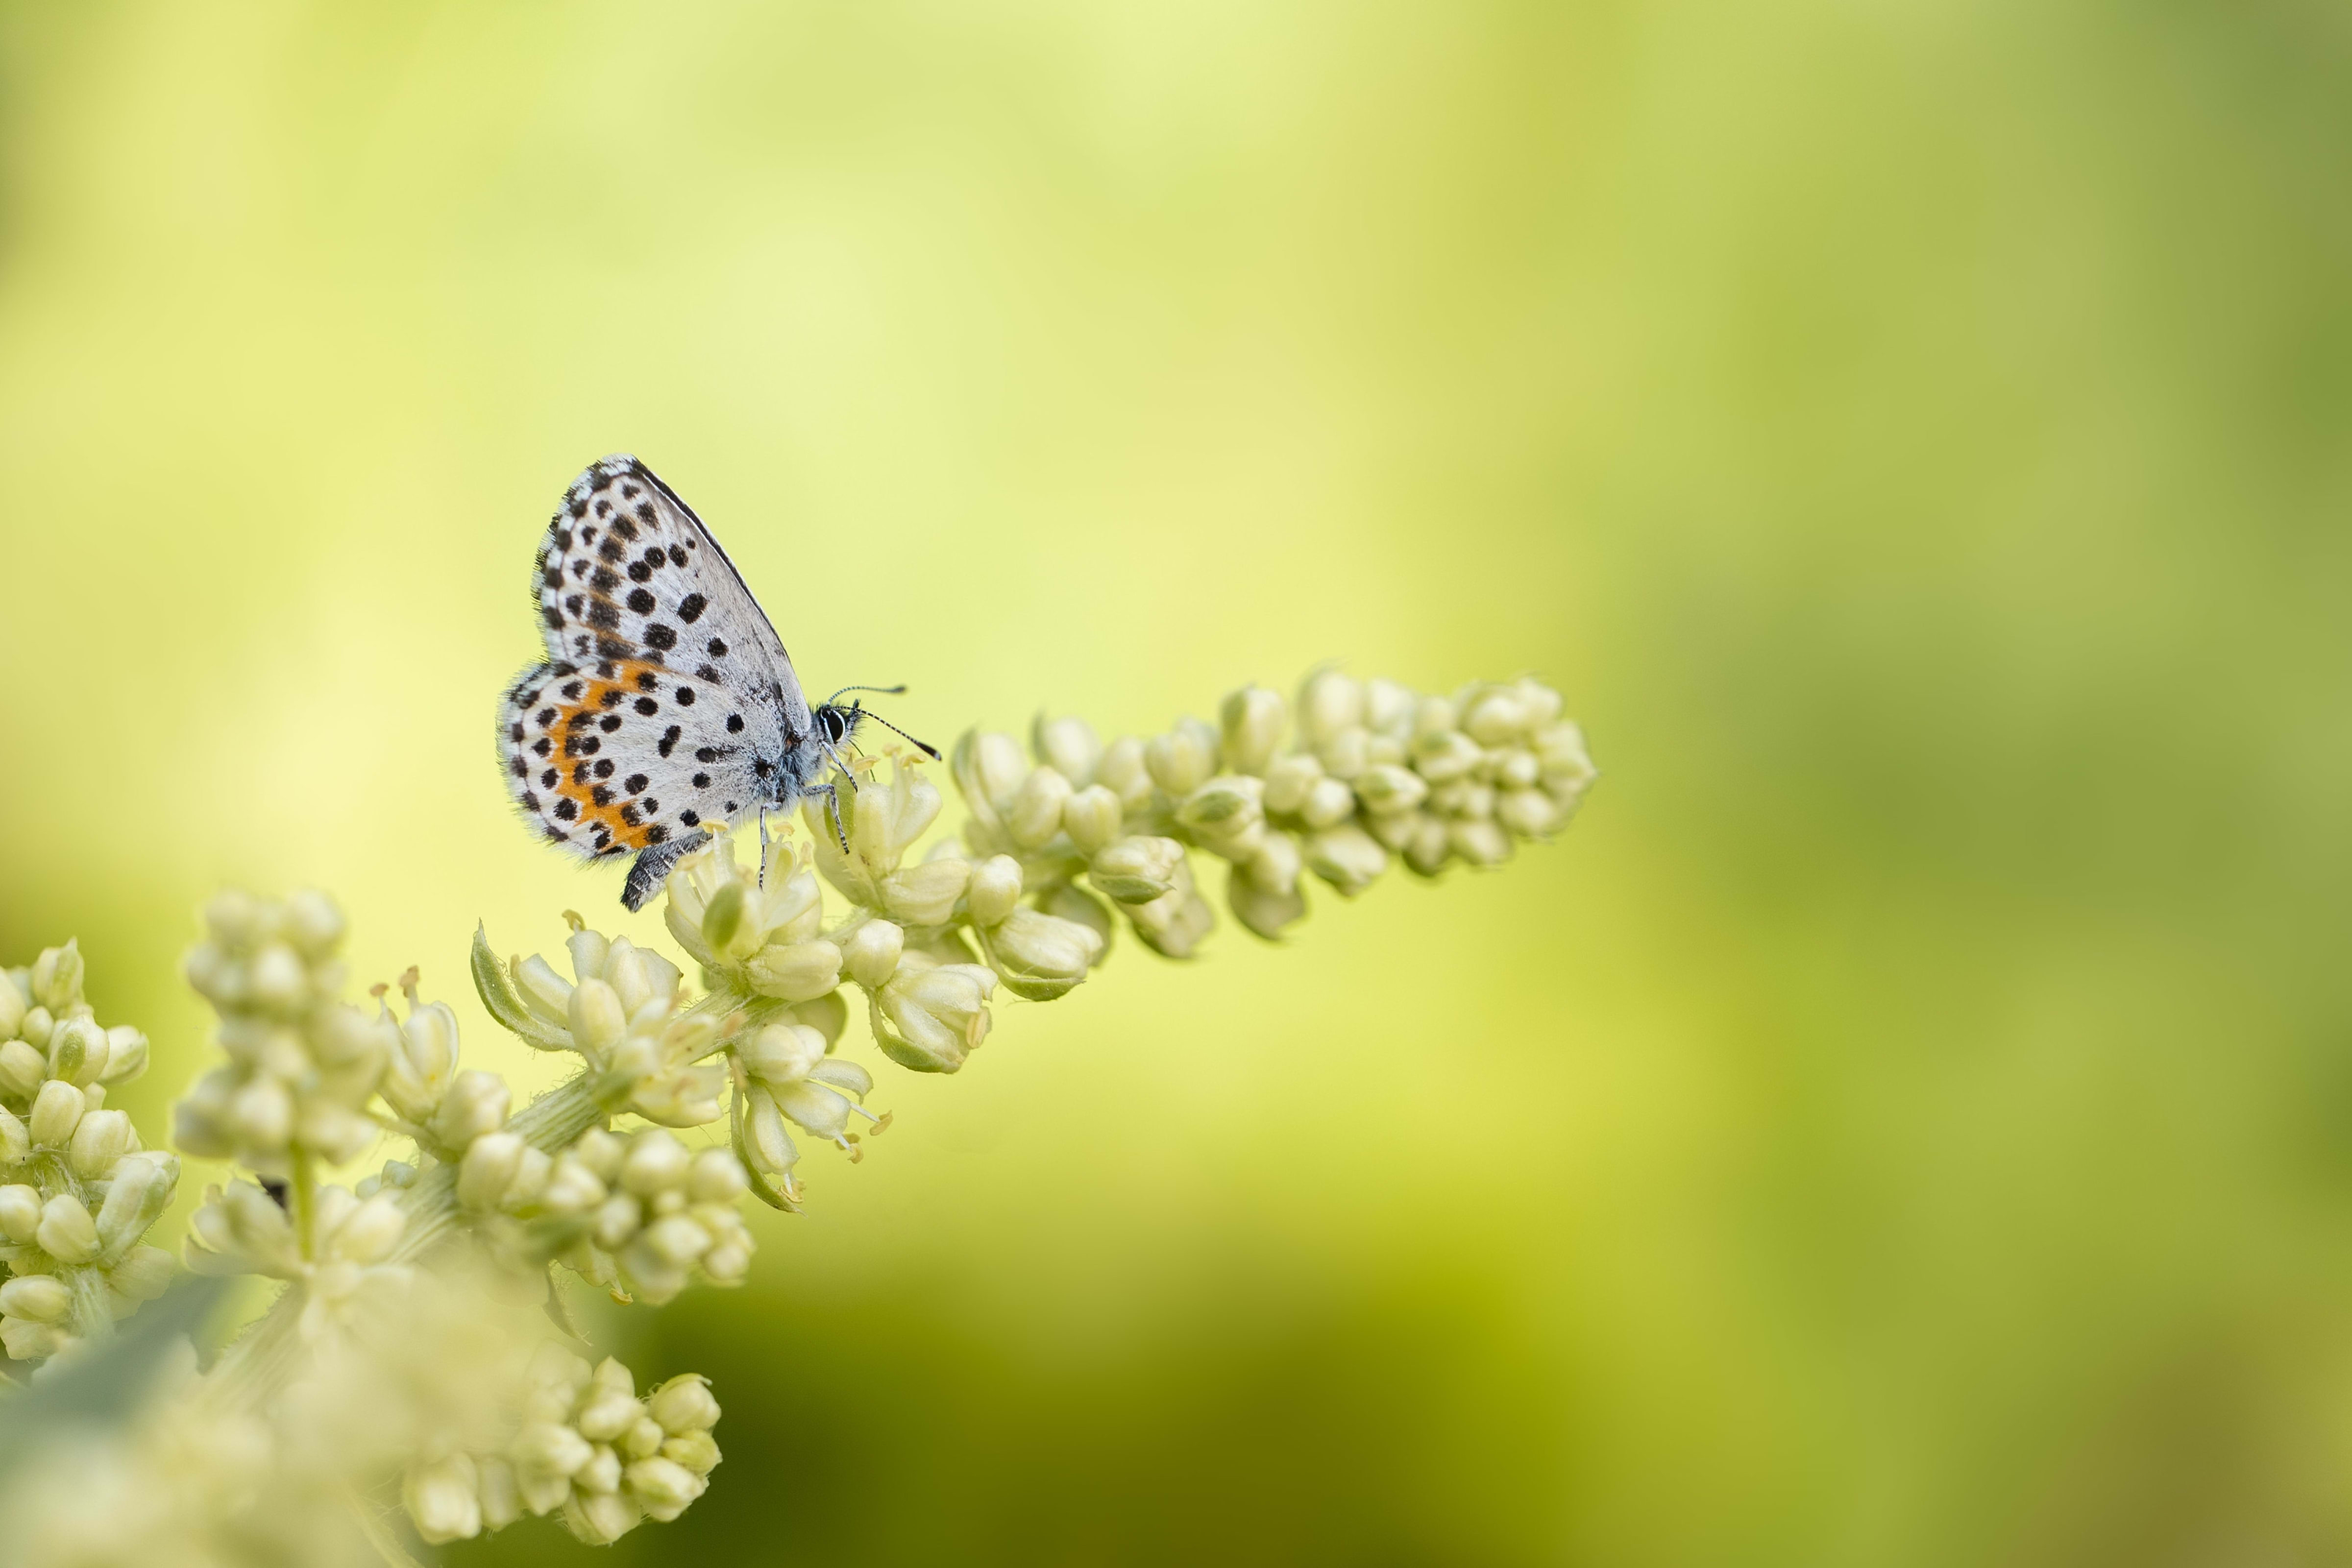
x=305, y=1193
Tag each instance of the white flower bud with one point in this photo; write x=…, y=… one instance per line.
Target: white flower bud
x=601, y=1152
x=684, y=1404
x=1329, y=701
x=1173, y=924
x=656, y=1161
x=600, y=1518
x=1495, y=716
x=22, y=1069
x=571, y=1187
x=765, y=1136
x=56, y=977
x=995, y=889
x=695, y=1450
x=1387, y=789
x=997, y=767
x=1289, y=780
x=1040, y=957
x=78, y=1051
x=1566, y=765
x=870, y=954
x=1517, y=769
x=1091, y=818
x=1124, y=773
x=546, y=1447
x=275, y=979
x=1225, y=813
x=501, y=1499
x=1538, y=704
x=925, y=893
x=595, y=1015
x=1530, y=813
x=56, y=1111
x=783, y=1053
x=16, y=1139
x=930, y=1019
x=261, y=1115
x=138, y=1195
x=1181, y=760
x=1387, y=708
x=617, y=1219
x=126, y=1055
x=490, y=1165
x=1252, y=721
x=442, y=1501
x=143, y=1274
x=1328, y=804
x=716, y=1176
x=1035, y=815
x=12, y=1006
x=34, y=1029
x=27, y=1341
x=589, y=949
x=312, y=923
x=1479, y=842
x=1347, y=753
x=418, y=1067
x=663, y=1489
x=1430, y=847
x=545, y=993
x=42, y=1299
x=476, y=1104
x=20, y=1212
x=1068, y=746
x=100, y=1139
x=675, y=1239
x=1137, y=870
x=67, y=1232
x=1447, y=755
x=1462, y=798
x=1347, y=857
x=799, y=973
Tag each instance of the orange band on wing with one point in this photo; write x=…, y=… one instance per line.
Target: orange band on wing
x=601, y=742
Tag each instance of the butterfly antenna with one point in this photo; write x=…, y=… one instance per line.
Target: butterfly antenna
x=925, y=747
x=896, y=691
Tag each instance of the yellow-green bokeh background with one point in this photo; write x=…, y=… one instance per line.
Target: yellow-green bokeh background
x=1905, y=1121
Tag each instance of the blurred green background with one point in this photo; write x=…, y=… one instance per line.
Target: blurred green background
x=1907, y=1120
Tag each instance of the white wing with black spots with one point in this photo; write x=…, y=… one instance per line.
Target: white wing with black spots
x=666, y=701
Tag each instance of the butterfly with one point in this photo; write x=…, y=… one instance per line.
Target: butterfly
x=666, y=705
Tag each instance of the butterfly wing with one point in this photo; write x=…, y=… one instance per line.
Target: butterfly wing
x=666, y=700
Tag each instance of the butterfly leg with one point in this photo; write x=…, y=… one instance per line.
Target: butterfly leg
x=763, y=844
x=833, y=809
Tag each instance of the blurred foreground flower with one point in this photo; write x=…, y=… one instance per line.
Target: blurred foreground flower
x=417, y=1348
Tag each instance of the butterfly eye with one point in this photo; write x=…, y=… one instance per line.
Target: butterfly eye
x=834, y=725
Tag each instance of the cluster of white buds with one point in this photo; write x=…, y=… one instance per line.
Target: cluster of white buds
x=76, y=1193
x=620, y=1014
x=339, y=1257
x=637, y=1214
x=429, y=1099
x=302, y=1062
x=1370, y=770
x=784, y=1074
x=588, y=1446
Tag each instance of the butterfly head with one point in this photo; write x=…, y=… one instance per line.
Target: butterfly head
x=838, y=724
